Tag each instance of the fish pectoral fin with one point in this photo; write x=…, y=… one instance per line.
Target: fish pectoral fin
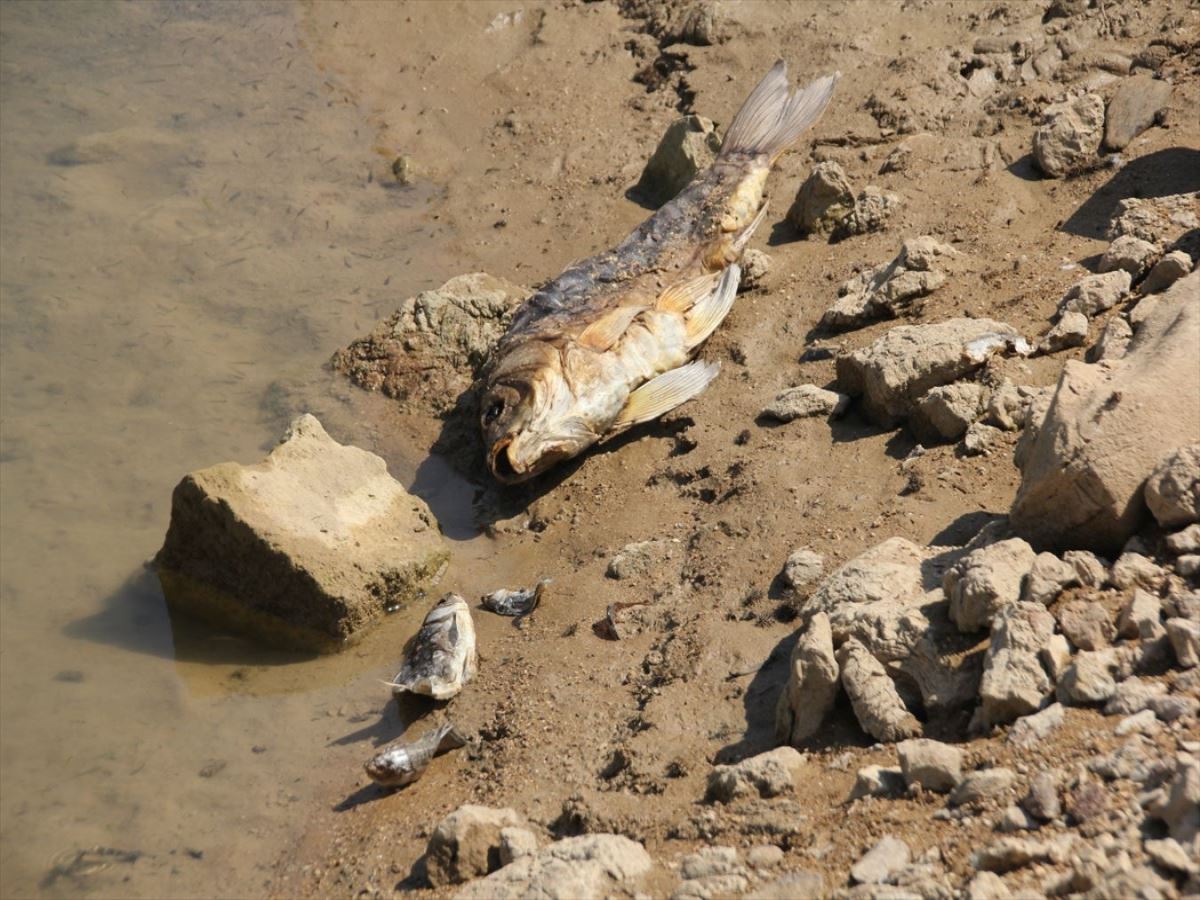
x=663, y=393
x=743, y=236
x=607, y=330
x=683, y=295
x=703, y=318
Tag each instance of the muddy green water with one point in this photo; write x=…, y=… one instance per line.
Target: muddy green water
x=188, y=232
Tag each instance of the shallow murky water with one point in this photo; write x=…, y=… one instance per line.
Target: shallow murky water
x=189, y=230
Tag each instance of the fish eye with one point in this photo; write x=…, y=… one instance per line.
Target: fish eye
x=492, y=413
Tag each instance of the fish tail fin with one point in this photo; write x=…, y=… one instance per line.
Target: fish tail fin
x=774, y=117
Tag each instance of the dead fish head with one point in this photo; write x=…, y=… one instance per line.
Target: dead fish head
x=530, y=417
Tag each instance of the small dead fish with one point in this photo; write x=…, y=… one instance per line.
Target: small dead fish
x=611, y=342
x=402, y=761
x=442, y=658
x=515, y=603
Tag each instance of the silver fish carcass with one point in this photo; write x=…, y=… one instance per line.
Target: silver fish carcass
x=611, y=342
x=403, y=761
x=442, y=658
x=516, y=603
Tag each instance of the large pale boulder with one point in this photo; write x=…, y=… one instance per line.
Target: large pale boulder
x=1107, y=427
x=305, y=549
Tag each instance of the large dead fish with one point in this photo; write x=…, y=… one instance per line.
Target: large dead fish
x=404, y=761
x=442, y=658
x=609, y=343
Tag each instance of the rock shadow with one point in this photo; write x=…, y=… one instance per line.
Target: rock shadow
x=964, y=528
x=1175, y=170
x=136, y=617
x=1026, y=169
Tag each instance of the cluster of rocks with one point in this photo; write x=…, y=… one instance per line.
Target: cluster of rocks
x=1145, y=251
x=876, y=626
x=1093, y=839
x=1074, y=130
x=827, y=205
x=892, y=289
x=496, y=853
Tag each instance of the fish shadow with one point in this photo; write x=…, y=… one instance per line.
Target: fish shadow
x=366, y=794
x=400, y=714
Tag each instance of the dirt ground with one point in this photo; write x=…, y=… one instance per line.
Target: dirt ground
x=532, y=121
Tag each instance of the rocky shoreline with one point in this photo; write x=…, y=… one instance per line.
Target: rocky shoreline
x=963, y=678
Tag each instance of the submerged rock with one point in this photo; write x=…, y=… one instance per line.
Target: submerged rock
x=306, y=549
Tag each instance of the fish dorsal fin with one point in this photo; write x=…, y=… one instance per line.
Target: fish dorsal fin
x=683, y=295
x=665, y=392
x=704, y=317
x=607, y=330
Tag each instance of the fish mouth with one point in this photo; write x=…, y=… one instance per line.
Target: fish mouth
x=501, y=464
x=508, y=471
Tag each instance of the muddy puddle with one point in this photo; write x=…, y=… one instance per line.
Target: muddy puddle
x=193, y=220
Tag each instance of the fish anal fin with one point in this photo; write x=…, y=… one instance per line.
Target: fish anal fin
x=683, y=295
x=607, y=330
x=704, y=317
x=663, y=393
